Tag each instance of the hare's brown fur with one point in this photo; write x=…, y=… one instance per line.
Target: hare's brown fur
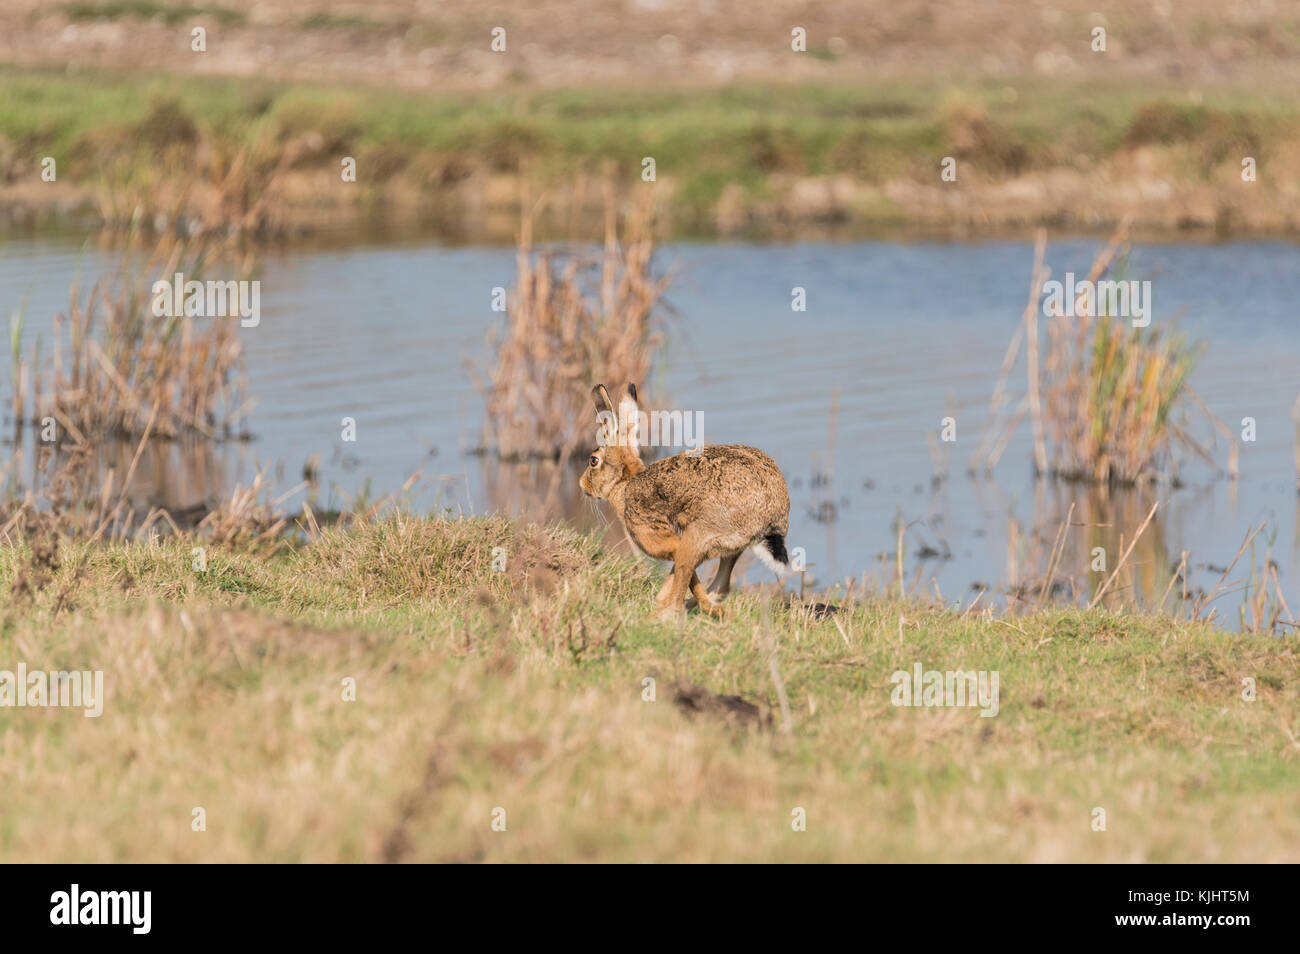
x=695, y=506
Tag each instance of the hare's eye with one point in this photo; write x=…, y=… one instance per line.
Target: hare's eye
x=595, y=461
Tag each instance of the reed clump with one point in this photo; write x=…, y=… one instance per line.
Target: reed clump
x=117, y=370
x=1110, y=399
x=101, y=408
x=572, y=318
x=1107, y=400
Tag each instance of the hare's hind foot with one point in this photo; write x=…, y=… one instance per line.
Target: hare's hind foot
x=720, y=585
x=669, y=610
x=702, y=600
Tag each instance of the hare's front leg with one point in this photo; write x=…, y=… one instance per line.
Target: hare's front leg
x=671, y=603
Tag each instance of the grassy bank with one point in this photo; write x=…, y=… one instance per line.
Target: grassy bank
x=763, y=155
x=522, y=688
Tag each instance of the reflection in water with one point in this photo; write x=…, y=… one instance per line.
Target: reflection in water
x=183, y=477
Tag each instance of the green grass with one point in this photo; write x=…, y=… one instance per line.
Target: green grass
x=328, y=20
x=522, y=688
x=702, y=139
x=171, y=14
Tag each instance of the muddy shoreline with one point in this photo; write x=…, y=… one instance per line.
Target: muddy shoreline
x=487, y=210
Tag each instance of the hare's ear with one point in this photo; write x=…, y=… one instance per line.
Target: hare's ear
x=606, y=419
x=628, y=418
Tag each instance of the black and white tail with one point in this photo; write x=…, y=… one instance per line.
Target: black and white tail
x=770, y=550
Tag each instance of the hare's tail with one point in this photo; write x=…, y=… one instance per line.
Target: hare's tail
x=770, y=550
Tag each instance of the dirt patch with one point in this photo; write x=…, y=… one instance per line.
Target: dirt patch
x=448, y=44
x=736, y=710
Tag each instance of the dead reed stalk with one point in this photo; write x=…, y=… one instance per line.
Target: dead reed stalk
x=573, y=318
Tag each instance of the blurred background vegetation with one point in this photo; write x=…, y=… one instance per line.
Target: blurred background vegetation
x=748, y=135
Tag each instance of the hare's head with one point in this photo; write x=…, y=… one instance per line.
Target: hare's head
x=616, y=457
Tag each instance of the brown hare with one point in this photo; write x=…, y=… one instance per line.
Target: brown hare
x=715, y=502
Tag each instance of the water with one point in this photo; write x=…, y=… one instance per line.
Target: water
x=900, y=335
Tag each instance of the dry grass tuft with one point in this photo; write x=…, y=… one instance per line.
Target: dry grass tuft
x=246, y=519
x=444, y=560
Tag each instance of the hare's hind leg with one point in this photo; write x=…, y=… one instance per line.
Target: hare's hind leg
x=720, y=586
x=702, y=598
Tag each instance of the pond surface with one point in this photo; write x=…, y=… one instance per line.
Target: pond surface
x=896, y=337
